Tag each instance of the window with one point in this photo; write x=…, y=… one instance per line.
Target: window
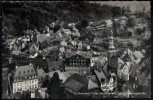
x=30, y=86
x=19, y=72
x=134, y=85
x=14, y=90
x=32, y=81
x=14, y=84
x=35, y=86
x=28, y=71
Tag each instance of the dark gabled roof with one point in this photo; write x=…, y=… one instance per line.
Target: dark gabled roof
x=26, y=70
x=92, y=85
x=80, y=80
x=134, y=70
x=39, y=61
x=41, y=73
x=74, y=85
x=130, y=54
x=53, y=64
x=101, y=62
x=105, y=70
x=100, y=75
x=73, y=53
x=115, y=61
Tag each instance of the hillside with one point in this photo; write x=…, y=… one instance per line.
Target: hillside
x=18, y=17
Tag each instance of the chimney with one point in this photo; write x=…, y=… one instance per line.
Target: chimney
x=16, y=66
x=32, y=94
x=43, y=56
x=30, y=64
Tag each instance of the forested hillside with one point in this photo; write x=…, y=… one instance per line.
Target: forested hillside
x=18, y=17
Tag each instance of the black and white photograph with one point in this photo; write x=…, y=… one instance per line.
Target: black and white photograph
x=76, y=49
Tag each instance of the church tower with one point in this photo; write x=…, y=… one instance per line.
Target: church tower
x=111, y=47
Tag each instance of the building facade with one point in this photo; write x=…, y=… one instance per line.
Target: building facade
x=25, y=78
x=78, y=63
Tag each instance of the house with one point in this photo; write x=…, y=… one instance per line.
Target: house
x=74, y=43
x=79, y=45
x=53, y=54
x=107, y=84
x=25, y=78
x=128, y=55
x=33, y=54
x=75, y=84
x=39, y=63
x=92, y=86
x=42, y=40
x=133, y=82
x=109, y=23
x=114, y=63
x=138, y=56
x=123, y=71
x=62, y=49
x=63, y=43
x=33, y=46
x=75, y=32
x=54, y=65
x=122, y=23
x=78, y=62
x=41, y=74
x=67, y=31
x=94, y=59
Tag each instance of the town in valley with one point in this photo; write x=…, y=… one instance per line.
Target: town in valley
x=62, y=50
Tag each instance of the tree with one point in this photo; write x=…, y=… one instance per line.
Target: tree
x=56, y=28
x=84, y=23
x=131, y=22
x=46, y=82
x=55, y=90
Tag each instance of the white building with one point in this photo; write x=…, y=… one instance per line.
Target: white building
x=25, y=78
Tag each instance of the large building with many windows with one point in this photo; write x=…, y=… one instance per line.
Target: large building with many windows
x=78, y=62
x=25, y=78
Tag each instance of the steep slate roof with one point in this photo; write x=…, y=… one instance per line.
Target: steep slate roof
x=41, y=73
x=92, y=85
x=39, y=62
x=53, y=64
x=47, y=50
x=28, y=69
x=138, y=54
x=80, y=79
x=105, y=70
x=130, y=54
x=74, y=85
x=93, y=78
x=101, y=75
x=115, y=61
x=134, y=70
x=83, y=54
